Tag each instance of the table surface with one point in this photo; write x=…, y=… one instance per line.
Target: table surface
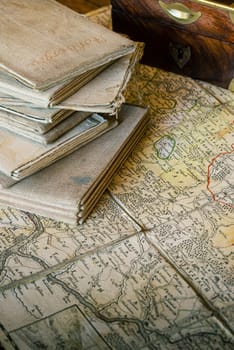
x=152, y=267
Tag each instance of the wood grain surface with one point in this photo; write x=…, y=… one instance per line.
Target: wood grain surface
x=84, y=6
x=203, y=49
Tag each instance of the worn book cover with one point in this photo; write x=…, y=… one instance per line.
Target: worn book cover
x=69, y=189
x=41, y=132
x=105, y=93
x=44, y=43
x=21, y=157
x=45, y=98
x=101, y=94
x=43, y=115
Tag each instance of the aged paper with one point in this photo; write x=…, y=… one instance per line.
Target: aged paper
x=45, y=53
x=21, y=157
x=152, y=268
x=30, y=112
x=41, y=132
x=103, y=94
x=69, y=189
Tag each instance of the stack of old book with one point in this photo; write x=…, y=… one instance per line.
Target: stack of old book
x=62, y=79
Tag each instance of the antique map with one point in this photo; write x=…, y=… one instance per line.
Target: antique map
x=153, y=266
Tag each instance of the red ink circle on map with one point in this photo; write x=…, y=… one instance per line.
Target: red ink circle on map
x=217, y=170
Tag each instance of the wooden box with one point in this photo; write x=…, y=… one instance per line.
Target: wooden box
x=189, y=37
